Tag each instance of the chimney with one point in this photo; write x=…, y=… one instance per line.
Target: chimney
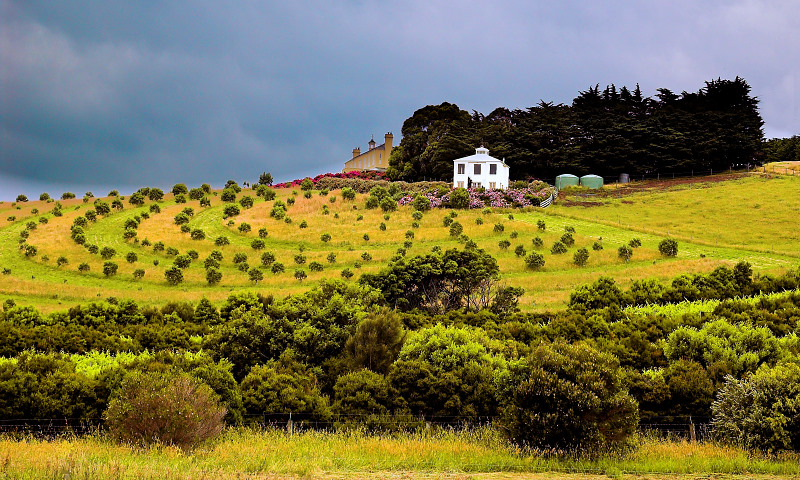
x=388, y=138
x=356, y=152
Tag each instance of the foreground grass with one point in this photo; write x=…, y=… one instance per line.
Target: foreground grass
x=251, y=454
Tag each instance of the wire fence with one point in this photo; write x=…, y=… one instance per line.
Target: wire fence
x=689, y=428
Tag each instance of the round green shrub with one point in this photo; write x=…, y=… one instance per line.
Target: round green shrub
x=558, y=248
x=668, y=247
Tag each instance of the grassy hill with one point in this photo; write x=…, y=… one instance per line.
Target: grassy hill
x=717, y=220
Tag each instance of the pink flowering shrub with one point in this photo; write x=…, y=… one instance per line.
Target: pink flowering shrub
x=510, y=198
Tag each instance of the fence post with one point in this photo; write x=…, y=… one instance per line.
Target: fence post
x=692, y=433
x=290, y=425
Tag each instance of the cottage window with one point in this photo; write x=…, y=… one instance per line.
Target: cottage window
x=477, y=169
x=491, y=185
x=460, y=184
x=493, y=169
x=477, y=185
x=461, y=169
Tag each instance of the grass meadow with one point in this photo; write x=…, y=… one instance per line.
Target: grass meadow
x=750, y=217
x=243, y=453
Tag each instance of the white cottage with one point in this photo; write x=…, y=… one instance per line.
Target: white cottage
x=480, y=170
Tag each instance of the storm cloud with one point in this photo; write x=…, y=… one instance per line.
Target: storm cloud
x=128, y=94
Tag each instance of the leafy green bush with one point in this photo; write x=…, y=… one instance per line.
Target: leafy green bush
x=421, y=203
x=581, y=257
x=230, y=211
x=558, y=248
x=568, y=398
x=668, y=247
x=182, y=261
x=284, y=386
x=388, y=204
x=228, y=195
x=625, y=252
x=376, y=342
x=213, y=276
x=246, y=201
x=173, y=275
x=760, y=411
x=459, y=198
x=110, y=269
x=534, y=261
x=372, y=202
x=602, y=293
x=267, y=259
x=447, y=371
x=163, y=408
x=567, y=239
x=364, y=396
x=315, y=266
x=255, y=275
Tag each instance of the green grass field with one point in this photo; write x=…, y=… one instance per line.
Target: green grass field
x=477, y=453
x=717, y=220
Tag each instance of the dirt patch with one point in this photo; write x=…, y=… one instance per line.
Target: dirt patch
x=648, y=185
x=572, y=203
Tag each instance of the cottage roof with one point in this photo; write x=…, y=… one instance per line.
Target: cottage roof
x=481, y=156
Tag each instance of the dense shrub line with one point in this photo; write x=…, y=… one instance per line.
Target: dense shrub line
x=339, y=350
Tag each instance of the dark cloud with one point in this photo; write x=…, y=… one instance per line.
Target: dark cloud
x=152, y=93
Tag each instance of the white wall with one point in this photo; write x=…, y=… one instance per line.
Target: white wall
x=484, y=178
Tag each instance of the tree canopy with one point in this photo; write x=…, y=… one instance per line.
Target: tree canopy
x=604, y=131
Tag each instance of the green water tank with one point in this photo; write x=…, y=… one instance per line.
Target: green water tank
x=591, y=181
x=566, y=180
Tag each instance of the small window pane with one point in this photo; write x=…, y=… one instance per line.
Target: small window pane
x=477, y=169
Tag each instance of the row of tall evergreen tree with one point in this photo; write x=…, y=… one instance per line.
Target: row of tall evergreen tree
x=604, y=132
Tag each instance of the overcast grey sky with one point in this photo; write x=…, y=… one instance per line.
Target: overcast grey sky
x=96, y=94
